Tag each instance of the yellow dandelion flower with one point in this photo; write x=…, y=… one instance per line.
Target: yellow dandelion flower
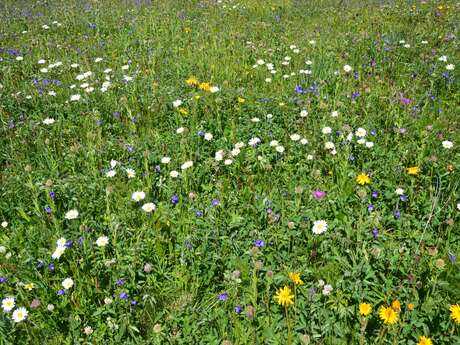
x=388, y=315
x=363, y=179
x=241, y=100
x=187, y=29
x=295, y=277
x=455, y=312
x=284, y=296
x=192, y=81
x=183, y=111
x=205, y=86
x=424, y=341
x=411, y=306
x=396, y=305
x=365, y=309
x=412, y=170
x=29, y=286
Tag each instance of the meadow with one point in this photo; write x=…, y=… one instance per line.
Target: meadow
x=229, y=172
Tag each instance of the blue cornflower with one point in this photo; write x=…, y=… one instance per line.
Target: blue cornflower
x=174, y=200
x=375, y=232
x=238, y=309
x=120, y=282
x=123, y=295
x=223, y=296
x=215, y=202
x=61, y=292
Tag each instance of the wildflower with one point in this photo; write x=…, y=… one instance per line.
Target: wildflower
x=375, y=232
x=424, y=341
x=228, y=162
x=412, y=170
x=102, y=241
x=174, y=200
x=204, y=86
x=4, y=224
x=363, y=179
x=447, y=144
x=450, y=67
x=187, y=165
x=75, y=98
x=88, y=330
x=399, y=191
x=223, y=296
x=411, y=306
x=327, y=289
x=8, y=304
x=147, y=268
x=177, y=103
x=138, y=196
x=149, y=207
x=241, y=100
x=347, y=68
x=29, y=286
x=130, y=172
x=20, y=314
x=123, y=295
x=259, y=243
x=396, y=305
x=165, y=160
x=318, y=194
x=67, y=283
x=72, y=214
x=174, y=174
x=455, y=313
x=319, y=227
x=215, y=202
x=111, y=173
x=214, y=89
x=388, y=315
x=360, y=132
x=284, y=296
x=295, y=137
x=35, y=303
x=48, y=121
x=208, y=136
x=365, y=309
x=50, y=307
x=326, y=130
x=192, y=82
x=295, y=277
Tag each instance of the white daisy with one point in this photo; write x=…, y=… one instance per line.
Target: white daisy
x=102, y=241
x=138, y=196
x=149, y=207
x=8, y=304
x=319, y=227
x=20, y=314
x=48, y=121
x=67, y=283
x=447, y=144
x=72, y=214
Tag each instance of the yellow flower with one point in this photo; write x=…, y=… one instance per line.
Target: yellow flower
x=187, y=29
x=183, y=111
x=284, y=296
x=192, y=81
x=29, y=286
x=396, y=305
x=388, y=315
x=412, y=170
x=241, y=100
x=455, y=312
x=424, y=341
x=295, y=277
x=411, y=306
x=365, y=309
x=205, y=86
x=197, y=97
x=363, y=179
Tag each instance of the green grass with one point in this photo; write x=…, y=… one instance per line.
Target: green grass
x=400, y=95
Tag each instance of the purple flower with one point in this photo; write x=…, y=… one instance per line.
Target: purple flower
x=123, y=295
x=397, y=214
x=269, y=211
x=174, y=200
x=68, y=243
x=259, y=243
x=80, y=240
x=133, y=302
x=215, y=202
x=120, y=282
x=201, y=134
x=223, y=296
x=375, y=194
x=238, y=309
x=116, y=114
x=52, y=194
x=40, y=264
x=61, y=292
x=318, y=194
x=130, y=148
x=311, y=291
x=403, y=198
x=51, y=267
x=355, y=95
x=3, y=280
x=370, y=207
x=300, y=90
x=452, y=257
x=157, y=169
x=48, y=209
x=375, y=232
x=404, y=101
x=199, y=214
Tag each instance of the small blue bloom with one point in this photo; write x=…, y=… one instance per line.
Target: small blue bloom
x=223, y=296
x=375, y=232
x=51, y=267
x=174, y=200
x=259, y=243
x=215, y=202
x=123, y=295
x=238, y=309
x=375, y=194
x=61, y=292
x=403, y=198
